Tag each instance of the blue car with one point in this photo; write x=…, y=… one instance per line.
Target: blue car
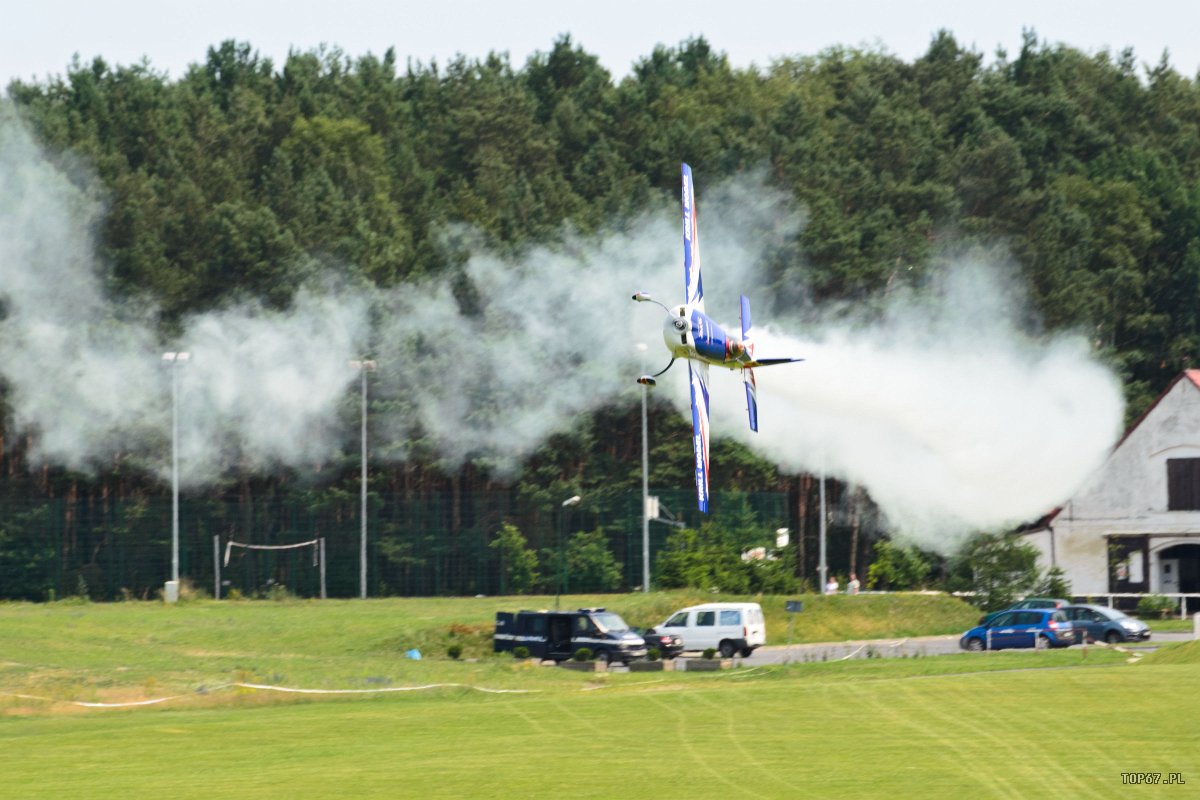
x=1030, y=627
x=1028, y=602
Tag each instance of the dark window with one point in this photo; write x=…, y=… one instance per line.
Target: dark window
x=1183, y=484
x=706, y=618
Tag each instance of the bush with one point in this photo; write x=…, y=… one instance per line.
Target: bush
x=897, y=567
x=521, y=652
x=710, y=653
x=1155, y=605
x=583, y=654
x=454, y=651
x=653, y=654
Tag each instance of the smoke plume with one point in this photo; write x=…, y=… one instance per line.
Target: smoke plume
x=944, y=406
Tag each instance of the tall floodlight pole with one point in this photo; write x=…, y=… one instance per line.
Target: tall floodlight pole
x=562, y=561
x=174, y=359
x=824, y=568
x=363, y=367
x=645, y=485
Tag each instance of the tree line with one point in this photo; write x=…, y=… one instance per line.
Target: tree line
x=242, y=177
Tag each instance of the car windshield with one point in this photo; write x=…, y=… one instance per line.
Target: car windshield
x=608, y=621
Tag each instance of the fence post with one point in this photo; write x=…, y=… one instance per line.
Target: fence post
x=217, y=566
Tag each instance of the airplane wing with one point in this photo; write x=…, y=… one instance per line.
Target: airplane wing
x=747, y=373
x=751, y=397
x=698, y=374
x=693, y=287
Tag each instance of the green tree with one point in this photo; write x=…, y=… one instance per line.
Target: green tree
x=591, y=564
x=518, y=563
x=999, y=568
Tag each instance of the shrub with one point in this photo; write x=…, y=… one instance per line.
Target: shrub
x=710, y=653
x=583, y=654
x=454, y=651
x=653, y=654
x=521, y=652
x=1155, y=605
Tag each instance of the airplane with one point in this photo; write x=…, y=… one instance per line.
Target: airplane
x=692, y=335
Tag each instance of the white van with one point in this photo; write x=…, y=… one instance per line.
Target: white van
x=728, y=627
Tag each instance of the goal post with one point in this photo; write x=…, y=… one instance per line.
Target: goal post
x=318, y=556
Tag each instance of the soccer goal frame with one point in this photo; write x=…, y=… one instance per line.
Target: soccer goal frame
x=317, y=545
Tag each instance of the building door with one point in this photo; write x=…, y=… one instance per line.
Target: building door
x=1186, y=568
x=1169, y=576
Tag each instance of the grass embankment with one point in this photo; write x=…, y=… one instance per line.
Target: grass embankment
x=108, y=652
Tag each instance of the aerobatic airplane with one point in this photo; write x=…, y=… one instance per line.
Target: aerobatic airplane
x=693, y=335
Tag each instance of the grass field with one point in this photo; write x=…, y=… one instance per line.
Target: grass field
x=988, y=725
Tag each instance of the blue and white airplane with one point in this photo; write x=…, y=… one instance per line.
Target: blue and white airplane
x=693, y=335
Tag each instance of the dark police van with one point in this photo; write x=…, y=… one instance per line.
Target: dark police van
x=557, y=635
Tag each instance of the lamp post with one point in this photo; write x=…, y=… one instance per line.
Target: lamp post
x=823, y=566
x=562, y=561
x=645, y=485
x=174, y=359
x=363, y=366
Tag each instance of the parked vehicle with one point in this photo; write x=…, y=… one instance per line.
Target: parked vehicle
x=1104, y=624
x=728, y=627
x=557, y=635
x=1028, y=602
x=1030, y=627
x=669, y=645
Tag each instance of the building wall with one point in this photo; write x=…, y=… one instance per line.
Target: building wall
x=1127, y=497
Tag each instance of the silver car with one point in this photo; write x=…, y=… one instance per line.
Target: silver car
x=1104, y=624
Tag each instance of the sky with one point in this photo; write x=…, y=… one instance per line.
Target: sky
x=38, y=40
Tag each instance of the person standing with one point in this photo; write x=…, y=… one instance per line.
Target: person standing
x=831, y=586
x=853, y=586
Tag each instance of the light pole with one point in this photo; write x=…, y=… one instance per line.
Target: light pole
x=174, y=359
x=645, y=485
x=562, y=562
x=823, y=567
x=363, y=366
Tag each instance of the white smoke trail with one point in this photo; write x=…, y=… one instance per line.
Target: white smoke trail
x=262, y=388
x=950, y=415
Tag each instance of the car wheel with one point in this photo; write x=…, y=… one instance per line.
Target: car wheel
x=603, y=657
x=727, y=649
x=1112, y=637
x=1043, y=641
x=975, y=645
x=746, y=652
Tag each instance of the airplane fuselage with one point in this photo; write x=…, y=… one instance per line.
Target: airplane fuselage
x=690, y=333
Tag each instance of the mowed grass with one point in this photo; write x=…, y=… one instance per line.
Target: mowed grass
x=1020, y=724
x=801, y=732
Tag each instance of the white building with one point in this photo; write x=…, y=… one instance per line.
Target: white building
x=1135, y=525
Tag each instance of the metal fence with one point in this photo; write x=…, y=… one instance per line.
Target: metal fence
x=426, y=544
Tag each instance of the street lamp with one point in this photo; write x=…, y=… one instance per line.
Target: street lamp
x=363, y=367
x=645, y=485
x=823, y=566
x=174, y=359
x=562, y=562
